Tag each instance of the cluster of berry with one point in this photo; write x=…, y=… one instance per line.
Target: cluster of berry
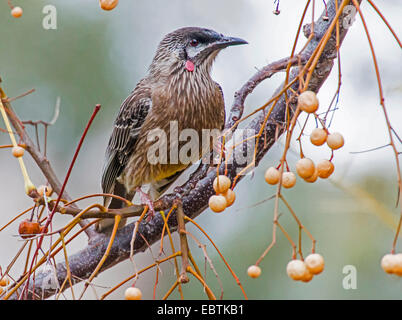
x=297, y=270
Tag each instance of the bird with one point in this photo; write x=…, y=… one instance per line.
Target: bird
x=178, y=88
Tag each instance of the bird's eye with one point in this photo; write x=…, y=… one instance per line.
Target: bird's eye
x=194, y=43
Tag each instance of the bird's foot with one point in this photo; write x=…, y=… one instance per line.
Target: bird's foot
x=147, y=201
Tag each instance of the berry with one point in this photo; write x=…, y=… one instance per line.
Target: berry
x=308, y=276
x=43, y=230
x=296, y=269
x=254, y=271
x=313, y=178
x=16, y=12
x=325, y=168
x=314, y=263
x=272, y=175
x=335, y=141
x=305, y=168
x=133, y=294
x=389, y=263
x=222, y=184
x=308, y=101
x=18, y=151
x=4, y=281
x=217, y=203
x=28, y=228
x=230, y=197
x=108, y=4
x=288, y=179
x=41, y=190
x=398, y=264
x=318, y=136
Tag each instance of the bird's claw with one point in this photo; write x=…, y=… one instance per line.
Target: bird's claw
x=147, y=201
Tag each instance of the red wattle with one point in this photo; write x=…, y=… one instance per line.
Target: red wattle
x=189, y=66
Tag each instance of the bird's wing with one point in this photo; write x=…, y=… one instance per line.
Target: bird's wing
x=127, y=126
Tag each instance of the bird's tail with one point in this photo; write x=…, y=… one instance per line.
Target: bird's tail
x=113, y=203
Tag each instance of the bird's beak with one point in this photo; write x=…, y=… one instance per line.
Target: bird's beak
x=222, y=42
x=226, y=42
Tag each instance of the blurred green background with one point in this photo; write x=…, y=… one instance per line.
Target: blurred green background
x=97, y=57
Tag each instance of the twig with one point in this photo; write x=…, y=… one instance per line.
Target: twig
x=183, y=243
x=203, y=247
x=102, y=261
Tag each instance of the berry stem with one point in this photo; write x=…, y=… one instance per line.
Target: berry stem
x=29, y=186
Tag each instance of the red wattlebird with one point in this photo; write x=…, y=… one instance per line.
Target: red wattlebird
x=178, y=88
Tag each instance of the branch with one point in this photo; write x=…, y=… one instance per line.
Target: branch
x=195, y=201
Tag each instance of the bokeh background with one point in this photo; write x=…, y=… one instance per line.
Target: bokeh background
x=97, y=57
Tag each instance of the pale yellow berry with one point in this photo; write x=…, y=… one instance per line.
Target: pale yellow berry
x=389, y=263
x=308, y=276
x=217, y=203
x=308, y=101
x=288, y=179
x=108, y=4
x=132, y=294
x=5, y=281
x=41, y=190
x=314, y=263
x=296, y=269
x=313, y=178
x=230, y=196
x=272, y=175
x=18, y=151
x=305, y=168
x=335, y=141
x=398, y=264
x=16, y=12
x=254, y=271
x=222, y=184
x=318, y=136
x=325, y=168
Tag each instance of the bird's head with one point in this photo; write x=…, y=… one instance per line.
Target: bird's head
x=190, y=48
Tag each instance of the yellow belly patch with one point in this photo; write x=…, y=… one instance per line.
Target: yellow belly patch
x=167, y=170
